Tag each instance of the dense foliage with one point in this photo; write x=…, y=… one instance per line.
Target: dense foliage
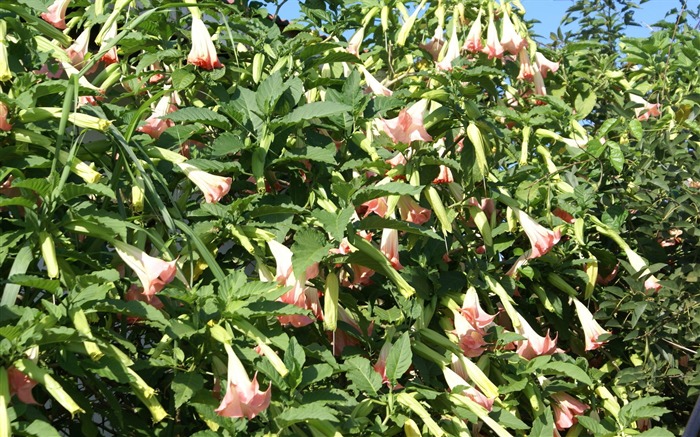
x=381, y=218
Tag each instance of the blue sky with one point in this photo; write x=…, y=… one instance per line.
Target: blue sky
x=550, y=13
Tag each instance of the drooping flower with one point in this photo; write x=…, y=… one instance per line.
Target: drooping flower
x=4, y=124
x=398, y=159
x=408, y=126
x=154, y=273
x=412, y=212
x=472, y=311
x=487, y=205
x=493, y=47
x=377, y=206
x=374, y=85
x=591, y=329
x=389, y=246
x=243, y=397
x=527, y=72
x=540, y=88
x=647, y=110
x=380, y=365
x=155, y=123
x=300, y=295
x=213, y=187
x=454, y=380
x=136, y=293
x=355, y=41
x=471, y=338
x=77, y=51
x=339, y=337
x=541, y=238
x=21, y=385
x=473, y=42
x=510, y=40
x=452, y=50
x=203, y=52
x=444, y=176
x=566, y=407
x=434, y=46
x=545, y=65
x=639, y=265
x=534, y=344
x=111, y=56
x=56, y=14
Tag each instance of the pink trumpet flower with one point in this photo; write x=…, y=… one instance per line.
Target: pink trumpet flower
x=527, y=71
x=154, y=273
x=471, y=337
x=566, y=407
x=356, y=41
x=647, y=110
x=545, y=65
x=380, y=366
x=155, y=123
x=203, y=53
x=374, y=85
x=541, y=238
x=455, y=380
x=412, y=212
x=472, y=311
x=377, y=206
x=389, y=246
x=4, y=124
x=213, y=187
x=340, y=338
x=300, y=295
x=493, y=47
x=473, y=42
x=444, y=176
x=591, y=329
x=510, y=40
x=77, y=51
x=534, y=344
x=639, y=265
x=397, y=160
x=243, y=397
x=452, y=51
x=56, y=15
x=540, y=88
x=111, y=56
x=21, y=385
x=434, y=46
x=408, y=126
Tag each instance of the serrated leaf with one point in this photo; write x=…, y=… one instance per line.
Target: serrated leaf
x=16, y=201
x=132, y=308
x=200, y=115
x=543, y=426
x=373, y=222
x=362, y=376
x=182, y=79
x=656, y=432
x=227, y=143
x=305, y=413
x=71, y=191
x=318, y=154
x=310, y=246
x=333, y=223
x=314, y=110
x=567, y=369
x=50, y=285
x=399, y=359
x=372, y=192
x=642, y=408
x=185, y=385
x=40, y=186
x=269, y=92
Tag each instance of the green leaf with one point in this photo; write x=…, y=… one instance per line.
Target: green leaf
x=39, y=428
x=372, y=192
x=200, y=115
x=314, y=110
x=641, y=409
x=584, y=106
x=71, y=191
x=362, y=376
x=567, y=369
x=50, y=285
x=543, y=426
x=507, y=419
x=227, y=143
x=305, y=413
x=656, y=432
x=334, y=224
x=310, y=246
x=636, y=129
x=294, y=359
x=399, y=359
x=594, y=426
x=182, y=79
x=318, y=154
x=374, y=221
x=40, y=186
x=19, y=266
x=617, y=158
x=369, y=256
x=269, y=92
x=185, y=385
